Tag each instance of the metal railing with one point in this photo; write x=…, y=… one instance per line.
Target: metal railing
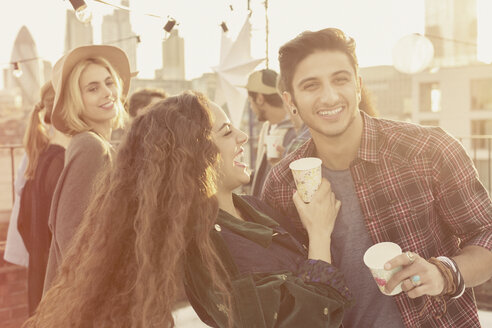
x=478, y=147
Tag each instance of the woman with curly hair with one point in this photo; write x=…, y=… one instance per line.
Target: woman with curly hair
x=166, y=214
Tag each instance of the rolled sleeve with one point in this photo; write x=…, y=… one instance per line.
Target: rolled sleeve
x=462, y=200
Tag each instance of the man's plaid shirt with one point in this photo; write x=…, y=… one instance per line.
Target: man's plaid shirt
x=418, y=188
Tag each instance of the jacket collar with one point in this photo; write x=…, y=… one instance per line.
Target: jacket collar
x=259, y=229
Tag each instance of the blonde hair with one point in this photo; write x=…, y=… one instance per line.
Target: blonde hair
x=73, y=105
x=36, y=138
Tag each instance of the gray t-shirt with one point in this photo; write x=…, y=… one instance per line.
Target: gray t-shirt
x=349, y=241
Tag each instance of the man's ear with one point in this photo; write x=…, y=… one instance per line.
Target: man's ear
x=287, y=98
x=288, y=101
x=260, y=99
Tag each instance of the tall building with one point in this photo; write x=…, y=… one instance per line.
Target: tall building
x=173, y=67
x=76, y=33
x=390, y=91
x=458, y=99
x=451, y=26
x=47, y=70
x=117, y=31
x=28, y=84
x=206, y=84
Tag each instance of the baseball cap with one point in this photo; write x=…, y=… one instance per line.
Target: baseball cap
x=263, y=81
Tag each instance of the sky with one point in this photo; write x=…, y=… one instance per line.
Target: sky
x=376, y=25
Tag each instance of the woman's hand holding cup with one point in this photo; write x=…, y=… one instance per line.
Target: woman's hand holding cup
x=318, y=218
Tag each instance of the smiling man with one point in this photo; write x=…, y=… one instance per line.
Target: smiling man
x=397, y=181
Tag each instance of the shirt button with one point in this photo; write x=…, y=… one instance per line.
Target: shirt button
x=275, y=316
x=325, y=311
x=217, y=227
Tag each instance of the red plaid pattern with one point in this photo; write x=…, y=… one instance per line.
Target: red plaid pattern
x=418, y=188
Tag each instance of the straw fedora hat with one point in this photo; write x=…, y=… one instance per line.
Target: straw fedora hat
x=63, y=67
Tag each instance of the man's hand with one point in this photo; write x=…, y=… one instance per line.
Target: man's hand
x=418, y=276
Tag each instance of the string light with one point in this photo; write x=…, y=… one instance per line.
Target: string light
x=82, y=11
x=17, y=72
x=84, y=14
x=224, y=27
x=169, y=25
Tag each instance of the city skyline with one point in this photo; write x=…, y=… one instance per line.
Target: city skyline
x=376, y=26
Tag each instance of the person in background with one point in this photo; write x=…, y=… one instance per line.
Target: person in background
x=45, y=161
x=268, y=107
x=15, y=250
x=140, y=100
x=399, y=182
x=90, y=84
x=166, y=213
x=302, y=130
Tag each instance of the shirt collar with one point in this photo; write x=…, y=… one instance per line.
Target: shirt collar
x=368, y=149
x=259, y=229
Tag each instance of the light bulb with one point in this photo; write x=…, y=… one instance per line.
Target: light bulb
x=17, y=73
x=84, y=14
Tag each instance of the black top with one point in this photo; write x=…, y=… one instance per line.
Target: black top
x=33, y=218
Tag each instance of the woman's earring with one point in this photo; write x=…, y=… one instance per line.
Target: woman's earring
x=294, y=111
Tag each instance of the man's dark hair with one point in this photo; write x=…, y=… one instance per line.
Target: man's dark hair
x=273, y=99
x=308, y=42
x=142, y=98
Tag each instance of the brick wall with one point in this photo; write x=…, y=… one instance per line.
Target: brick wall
x=13, y=294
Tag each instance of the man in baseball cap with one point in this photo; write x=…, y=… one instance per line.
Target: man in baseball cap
x=268, y=107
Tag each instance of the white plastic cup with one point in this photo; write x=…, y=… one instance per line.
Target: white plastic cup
x=272, y=142
x=307, y=176
x=375, y=257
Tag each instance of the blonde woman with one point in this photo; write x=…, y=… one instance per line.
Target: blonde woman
x=89, y=84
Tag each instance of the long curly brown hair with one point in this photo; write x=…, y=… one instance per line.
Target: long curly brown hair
x=126, y=262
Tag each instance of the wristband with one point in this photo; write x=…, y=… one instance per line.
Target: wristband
x=457, y=274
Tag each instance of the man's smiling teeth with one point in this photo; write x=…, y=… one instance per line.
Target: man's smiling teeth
x=330, y=112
